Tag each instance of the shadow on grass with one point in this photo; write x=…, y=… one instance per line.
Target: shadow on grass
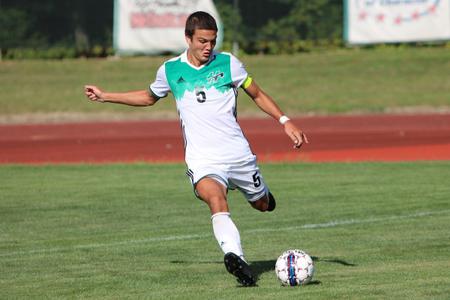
x=334, y=260
x=263, y=266
x=195, y=262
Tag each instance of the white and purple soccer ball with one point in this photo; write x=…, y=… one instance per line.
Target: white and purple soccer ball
x=294, y=267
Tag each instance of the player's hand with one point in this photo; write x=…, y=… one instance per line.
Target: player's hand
x=93, y=93
x=296, y=135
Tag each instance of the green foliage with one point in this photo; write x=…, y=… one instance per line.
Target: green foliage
x=307, y=20
x=138, y=232
x=56, y=52
x=13, y=27
x=16, y=29
x=314, y=20
x=47, y=28
x=232, y=22
x=287, y=26
x=51, y=53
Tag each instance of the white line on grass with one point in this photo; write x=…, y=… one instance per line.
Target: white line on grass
x=200, y=236
x=350, y=222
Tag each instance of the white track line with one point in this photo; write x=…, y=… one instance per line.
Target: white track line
x=201, y=236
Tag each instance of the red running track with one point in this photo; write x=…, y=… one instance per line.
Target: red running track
x=332, y=138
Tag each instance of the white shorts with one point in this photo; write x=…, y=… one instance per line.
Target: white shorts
x=245, y=177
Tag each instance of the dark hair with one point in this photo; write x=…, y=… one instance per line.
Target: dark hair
x=199, y=20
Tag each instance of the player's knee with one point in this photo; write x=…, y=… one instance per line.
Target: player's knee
x=260, y=204
x=266, y=203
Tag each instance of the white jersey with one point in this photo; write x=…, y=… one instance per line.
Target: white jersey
x=206, y=99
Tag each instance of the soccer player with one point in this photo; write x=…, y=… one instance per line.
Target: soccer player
x=205, y=85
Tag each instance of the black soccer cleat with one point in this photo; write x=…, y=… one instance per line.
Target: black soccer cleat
x=240, y=269
x=272, y=202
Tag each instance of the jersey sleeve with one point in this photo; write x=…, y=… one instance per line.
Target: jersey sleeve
x=238, y=72
x=160, y=87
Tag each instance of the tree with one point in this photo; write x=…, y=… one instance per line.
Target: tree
x=14, y=27
x=62, y=22
x=314, y=20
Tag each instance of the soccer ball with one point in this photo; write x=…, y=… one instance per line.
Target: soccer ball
x=294, y=267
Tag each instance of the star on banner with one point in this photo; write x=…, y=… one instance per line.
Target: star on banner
x=362, y=15
x=380, y=18
x=432, y=8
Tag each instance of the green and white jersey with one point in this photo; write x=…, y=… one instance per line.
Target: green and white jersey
x=206, y=102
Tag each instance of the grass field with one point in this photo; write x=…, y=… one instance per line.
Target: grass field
x=375, y=230
x=321, y=82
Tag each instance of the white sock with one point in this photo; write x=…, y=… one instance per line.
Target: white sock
x=226, y=233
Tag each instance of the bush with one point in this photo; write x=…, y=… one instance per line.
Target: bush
x=57, y=52
x=50, y=53
x=296, y=46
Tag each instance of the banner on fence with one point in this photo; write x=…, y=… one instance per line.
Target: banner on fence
x=389, y=21
x=155, y=26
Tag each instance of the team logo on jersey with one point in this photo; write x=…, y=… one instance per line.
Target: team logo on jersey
x=213, y=77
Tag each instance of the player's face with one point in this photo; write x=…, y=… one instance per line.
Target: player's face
x=201, y=46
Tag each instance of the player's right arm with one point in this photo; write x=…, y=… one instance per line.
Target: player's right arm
x=133, y=98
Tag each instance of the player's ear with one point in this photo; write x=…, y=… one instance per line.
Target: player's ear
x=188, y=39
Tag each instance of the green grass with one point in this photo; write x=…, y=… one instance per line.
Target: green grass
x=323, y=82
x=137, y=231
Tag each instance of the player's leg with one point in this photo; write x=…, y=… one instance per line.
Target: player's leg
x=210, y=185
x=213, y=193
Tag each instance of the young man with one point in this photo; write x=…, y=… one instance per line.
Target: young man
x=205, y=85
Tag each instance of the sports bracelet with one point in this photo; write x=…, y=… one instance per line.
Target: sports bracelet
x=283, y=119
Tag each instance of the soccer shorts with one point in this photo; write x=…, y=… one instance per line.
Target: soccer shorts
x=245, y=177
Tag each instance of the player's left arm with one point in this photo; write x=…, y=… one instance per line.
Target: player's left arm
x=269, y=106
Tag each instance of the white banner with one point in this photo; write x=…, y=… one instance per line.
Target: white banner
x=384, y=21
x=156, y=26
